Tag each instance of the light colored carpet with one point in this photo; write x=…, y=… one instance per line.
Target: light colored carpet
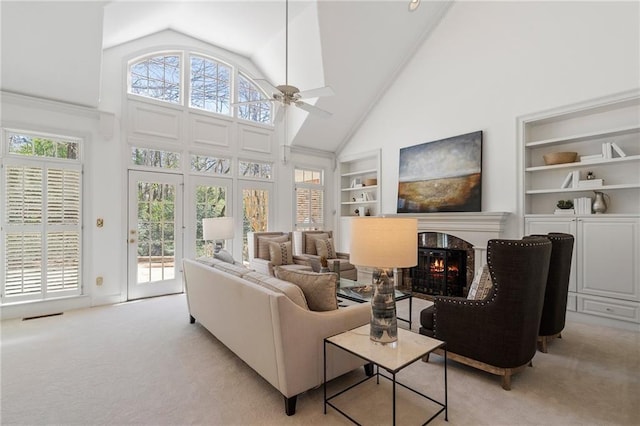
x=143, y=363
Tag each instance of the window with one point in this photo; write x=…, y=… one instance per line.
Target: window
x=41, y=229
x=210, y=85
x=309, y=193
x=156, y=77
x=211, y=201
x=256, y=170
x=210, y=165
x=247, y=91
x=159, y=76
x=155, y=158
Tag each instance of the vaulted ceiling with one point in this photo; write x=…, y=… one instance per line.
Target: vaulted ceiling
x=358, y=47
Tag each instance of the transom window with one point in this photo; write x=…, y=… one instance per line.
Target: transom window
x=210, y=165
x=256, y=169
x=155, y=158
x=157, y=77
x=34, y=146
x=210, y=85
x=248, y=91
x=209, y=82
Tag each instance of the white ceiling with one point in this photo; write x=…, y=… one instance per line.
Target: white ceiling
x=355, y=46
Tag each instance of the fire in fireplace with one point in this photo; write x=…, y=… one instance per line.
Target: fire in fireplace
x=440, y=271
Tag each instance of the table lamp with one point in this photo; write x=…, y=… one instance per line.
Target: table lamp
x=217, y=229
x=384, y=243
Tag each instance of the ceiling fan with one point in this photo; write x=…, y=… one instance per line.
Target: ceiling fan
x=286, y=94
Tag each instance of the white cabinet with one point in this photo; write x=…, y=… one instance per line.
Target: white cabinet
x=605, y=271
x=605, y=274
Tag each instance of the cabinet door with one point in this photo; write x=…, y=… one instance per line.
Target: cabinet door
x=609, y=254
x=565, y=225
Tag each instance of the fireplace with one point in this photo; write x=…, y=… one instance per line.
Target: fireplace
x=440, y=272
x=445, y=265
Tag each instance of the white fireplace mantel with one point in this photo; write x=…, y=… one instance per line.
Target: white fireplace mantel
x=475, y=228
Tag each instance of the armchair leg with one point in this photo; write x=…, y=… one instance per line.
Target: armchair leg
x=506, y=380
x=542, y=344
x=191, y=319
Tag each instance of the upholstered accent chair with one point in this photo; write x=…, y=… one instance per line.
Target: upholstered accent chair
x=497, y=334
x=554, y=310
x=270, y=249
x=306, y=249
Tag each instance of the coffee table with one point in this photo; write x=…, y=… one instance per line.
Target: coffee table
x=359, y=292
x=409, y=348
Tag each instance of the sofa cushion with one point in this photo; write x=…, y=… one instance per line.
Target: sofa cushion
x=280, y=253
x=481, y=285
x=209, y=261
x=263, y=245
x=224, y=256
x=310, y=243
x=344, y=264
x=325, y=248
x=318, y=289
x=237, y=270
x=290, y=290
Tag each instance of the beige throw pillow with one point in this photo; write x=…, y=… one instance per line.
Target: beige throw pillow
x=319, y=289
x=310, y=244
x=290, y=290
x=280, y=253
x=325, y=248
x=481, y=285
x=263, y=245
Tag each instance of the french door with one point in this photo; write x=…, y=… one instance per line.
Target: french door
x=155, y=234
x=256, y=207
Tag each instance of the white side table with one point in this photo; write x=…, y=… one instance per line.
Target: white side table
x=409, y=348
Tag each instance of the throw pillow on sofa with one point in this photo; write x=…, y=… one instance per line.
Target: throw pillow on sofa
x=318, y=289
x=325, y=249
x=281, y=253
x=481, y=285
x=290, y=290
x=225, y=256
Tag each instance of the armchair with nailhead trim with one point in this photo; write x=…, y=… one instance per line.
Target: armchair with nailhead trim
x=497, y=334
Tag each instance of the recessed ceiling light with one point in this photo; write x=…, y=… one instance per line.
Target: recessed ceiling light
x=413, y=5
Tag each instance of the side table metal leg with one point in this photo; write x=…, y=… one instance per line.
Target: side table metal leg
x=324, y=382
x=410, y=308
x=394, y=399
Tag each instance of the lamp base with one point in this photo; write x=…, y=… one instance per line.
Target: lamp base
x=384, y=323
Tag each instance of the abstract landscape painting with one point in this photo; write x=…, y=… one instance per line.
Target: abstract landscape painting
x=441, y=176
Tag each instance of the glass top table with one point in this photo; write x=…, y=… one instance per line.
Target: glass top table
x=361, y=293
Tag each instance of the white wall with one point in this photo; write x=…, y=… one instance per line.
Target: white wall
x=490, y=62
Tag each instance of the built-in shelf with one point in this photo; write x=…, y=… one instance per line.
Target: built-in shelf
x=583, y=163
x=585, y=136
x=360, y=173
x=581, y=189
x=361, y=188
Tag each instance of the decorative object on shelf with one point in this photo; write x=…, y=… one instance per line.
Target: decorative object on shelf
x=360, y=211
x=559, y=158
x=217, y=229
x=565, y=204
x=441, y=176
x=590, y=175
x=384, y=243
x=356, y=183
x=370, y=182
x=599, y=204
x=367, y=212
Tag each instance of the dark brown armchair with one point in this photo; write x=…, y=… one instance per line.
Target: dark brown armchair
x=497, y=334
x=554, y=310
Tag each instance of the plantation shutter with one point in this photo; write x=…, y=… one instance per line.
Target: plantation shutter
x=309, y=208
x=42, y=230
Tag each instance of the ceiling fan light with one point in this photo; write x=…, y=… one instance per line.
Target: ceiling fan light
x=413, y=5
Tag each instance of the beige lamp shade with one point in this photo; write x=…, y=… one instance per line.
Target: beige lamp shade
x=217, y=228
x=384, y=242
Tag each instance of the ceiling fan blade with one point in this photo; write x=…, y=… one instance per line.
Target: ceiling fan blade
x=316, y=93
x=266, y=84
x=313, y=109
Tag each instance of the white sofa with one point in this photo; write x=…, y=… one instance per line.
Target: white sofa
x=279, y=339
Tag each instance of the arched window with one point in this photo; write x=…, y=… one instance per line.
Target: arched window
x=210, y=85
x=247, y=91
x=156, y=77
